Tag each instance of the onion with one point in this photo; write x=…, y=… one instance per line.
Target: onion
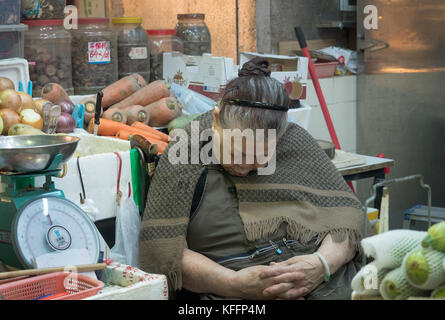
x=9, y=98
x=27, y=101
x=65, y=123
x=66, y=106
x=6, y=83
x=10, y=118
x=31, y=118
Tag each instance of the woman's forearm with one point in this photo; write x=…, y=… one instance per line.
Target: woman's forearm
x=336, y=253
x=202, y=275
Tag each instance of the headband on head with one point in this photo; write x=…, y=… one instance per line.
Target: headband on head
x=256, y=104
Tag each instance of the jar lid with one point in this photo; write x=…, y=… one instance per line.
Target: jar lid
x=127, y=20
x=191, y=16
x=40, y=23
x=92, y=20
x=161, y=32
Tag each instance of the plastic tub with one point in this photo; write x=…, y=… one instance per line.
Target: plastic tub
x=93, y=55
x=192, y=29
x=48, y=51
x=12, y=41
x=9, y=12
x=76, y=285
x=43, y=9
x=324, y=69
x=133, y=47
x=162, y=40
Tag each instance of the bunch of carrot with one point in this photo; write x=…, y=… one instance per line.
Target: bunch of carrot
x=123, y=131
x=131, y=100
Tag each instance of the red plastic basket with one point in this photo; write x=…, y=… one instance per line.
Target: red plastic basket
x=76, y=285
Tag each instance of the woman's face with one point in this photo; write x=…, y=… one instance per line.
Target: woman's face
x=240, y=153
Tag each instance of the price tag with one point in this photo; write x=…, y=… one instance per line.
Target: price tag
x=99, y=52
x=138, y=53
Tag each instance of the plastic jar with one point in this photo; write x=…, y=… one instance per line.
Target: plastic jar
x=133, y=47
x=193, y=31
x=43, y=9
x=162, y=40
x=93, y=55
x=48, y=51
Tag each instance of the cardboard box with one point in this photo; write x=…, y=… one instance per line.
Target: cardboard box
x=91, y=8
x=207, y=75
x=293, y=71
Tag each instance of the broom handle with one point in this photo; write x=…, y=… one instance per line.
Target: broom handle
x=35, y=272
x=324, y=107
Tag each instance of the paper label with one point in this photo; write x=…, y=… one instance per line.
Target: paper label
x=138, y=53
x=99, y=52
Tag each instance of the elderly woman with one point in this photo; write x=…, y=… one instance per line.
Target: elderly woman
x=281, y=223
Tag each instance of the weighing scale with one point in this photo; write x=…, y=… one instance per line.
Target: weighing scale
x=37, y=220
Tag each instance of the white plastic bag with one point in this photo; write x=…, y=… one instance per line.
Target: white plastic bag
x=128, y=222
x=347, y=58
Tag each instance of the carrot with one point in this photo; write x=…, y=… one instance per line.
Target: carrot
x=107, y=127
x=161, y=112
x=136, y=113
x=111, y=128
x=55, y=93
x=115, y=115
x=162, y=136
x=90, y=109
x=122, y=89
x=126, y=135
x=148, y=94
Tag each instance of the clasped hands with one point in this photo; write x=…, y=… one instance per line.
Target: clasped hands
x=290, y=279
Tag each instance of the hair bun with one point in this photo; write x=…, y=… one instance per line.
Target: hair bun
x=255, y=67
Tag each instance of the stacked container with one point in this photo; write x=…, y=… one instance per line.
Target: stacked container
x=42, y=9
x=192, y=29
x=163, y=40
x=93, y=55
x=11, y=32
x=48, y=51
x=133, y=47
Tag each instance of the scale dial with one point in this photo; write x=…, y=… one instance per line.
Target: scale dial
x=52, y=224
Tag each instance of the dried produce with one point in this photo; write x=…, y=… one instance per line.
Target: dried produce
x=94, y=56
x=193, y=31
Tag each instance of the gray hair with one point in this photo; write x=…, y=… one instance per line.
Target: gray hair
x=259, y=88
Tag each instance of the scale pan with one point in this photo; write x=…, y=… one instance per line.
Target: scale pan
x=23, y=154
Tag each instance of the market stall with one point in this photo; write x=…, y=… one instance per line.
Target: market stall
x=86, y=114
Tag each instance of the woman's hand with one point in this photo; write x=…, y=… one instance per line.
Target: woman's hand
x=293, y=278
x=250, y=284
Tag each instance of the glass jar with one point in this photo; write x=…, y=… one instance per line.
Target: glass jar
x=43, y=9
x=193, y=31
x=93, y=55
x=133, y=47
x=48, y=51
x=162, y=40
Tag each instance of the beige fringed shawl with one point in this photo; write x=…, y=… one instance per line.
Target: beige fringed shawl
x=306, y=192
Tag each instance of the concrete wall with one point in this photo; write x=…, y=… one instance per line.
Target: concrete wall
x=276, y=20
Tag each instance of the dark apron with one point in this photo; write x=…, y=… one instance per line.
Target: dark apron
x=216, y=231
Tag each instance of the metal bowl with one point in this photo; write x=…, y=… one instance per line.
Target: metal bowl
x=31, y=153
x=328, y=147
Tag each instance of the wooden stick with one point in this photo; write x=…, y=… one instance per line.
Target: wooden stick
x=34, y=272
